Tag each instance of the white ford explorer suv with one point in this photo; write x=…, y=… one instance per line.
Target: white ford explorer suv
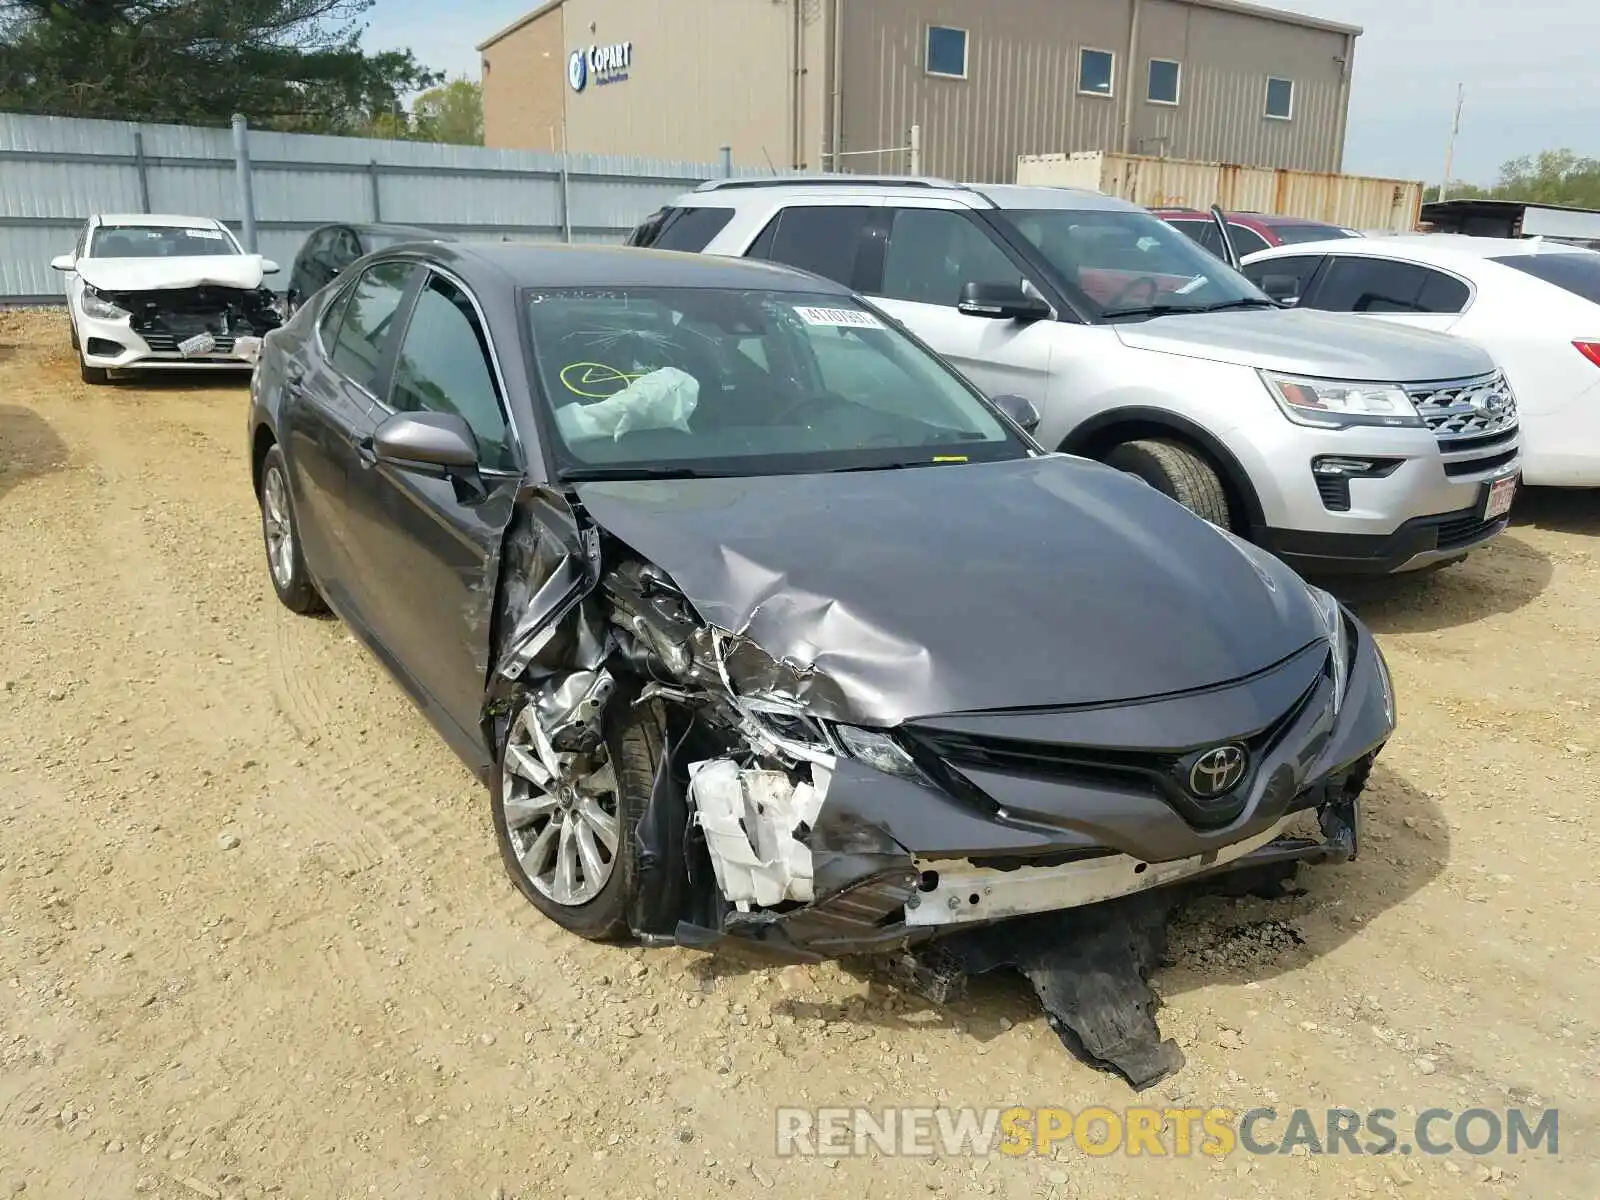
x=1343, y=446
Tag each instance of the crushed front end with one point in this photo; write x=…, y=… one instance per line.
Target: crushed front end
x=780, y=825
x=208, y=326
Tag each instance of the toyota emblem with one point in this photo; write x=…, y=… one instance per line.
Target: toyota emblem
x=1217, y=772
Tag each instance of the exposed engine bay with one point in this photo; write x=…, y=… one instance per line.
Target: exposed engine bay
x=775, y=827
x=198, y=322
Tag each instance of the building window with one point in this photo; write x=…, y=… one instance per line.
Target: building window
x=947, y=52
x=1280, y=98
x=1095, y=68
x=1163, y=83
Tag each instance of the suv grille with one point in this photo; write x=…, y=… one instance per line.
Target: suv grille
x=1474, y=419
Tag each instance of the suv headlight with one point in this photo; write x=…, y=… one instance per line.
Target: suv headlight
x=1337, y=404
x=97, y=306
x=1338, y=635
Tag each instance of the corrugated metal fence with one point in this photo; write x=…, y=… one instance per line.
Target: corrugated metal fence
x=55, y=172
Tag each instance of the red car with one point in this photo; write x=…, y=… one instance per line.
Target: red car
x=1250, y=231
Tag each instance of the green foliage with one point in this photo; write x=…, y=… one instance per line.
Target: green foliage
x=294, y=65
x=1549, y=177
x=452, y=112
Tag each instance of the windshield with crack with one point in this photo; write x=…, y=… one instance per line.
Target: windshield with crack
x=685, y=381
x=1121, y=263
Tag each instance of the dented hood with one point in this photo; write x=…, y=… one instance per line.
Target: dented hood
x=1043, y=582
x=241, y=271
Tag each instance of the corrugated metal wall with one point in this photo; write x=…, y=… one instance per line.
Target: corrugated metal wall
x=1358, y=201
x=55, y=172
x=1021, y=91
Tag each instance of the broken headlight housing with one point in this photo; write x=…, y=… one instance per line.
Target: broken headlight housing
x=1337, y=630
x=878, y=750
x=97, y=306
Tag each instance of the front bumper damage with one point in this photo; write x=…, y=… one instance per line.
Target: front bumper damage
x=190, y=328
x=1052, y=842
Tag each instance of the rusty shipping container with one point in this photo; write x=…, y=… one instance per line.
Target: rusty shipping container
x=1354, y=201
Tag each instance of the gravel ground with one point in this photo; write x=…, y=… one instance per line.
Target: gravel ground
x=255, y=940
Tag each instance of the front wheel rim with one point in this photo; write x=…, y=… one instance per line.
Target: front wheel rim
x=278, y=528
x=561, y=815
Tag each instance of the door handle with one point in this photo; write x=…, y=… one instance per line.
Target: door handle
x=367, y=451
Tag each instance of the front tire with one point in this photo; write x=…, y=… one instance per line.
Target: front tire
x=1175, y=470
x=280, y=532
x=93, y=376
x=567, y=839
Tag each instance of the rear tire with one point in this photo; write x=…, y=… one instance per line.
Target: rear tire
x=1175, y=470
x=93, y=376
x=633, y=746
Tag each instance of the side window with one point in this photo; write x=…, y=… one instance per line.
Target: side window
x=346, y=249
x=444, y=368
x=1443, y=293
x=692, y=229
x=1284, y=278
x=1245, y=240
x=934, y=252
x=368, y=322
x=822, y=239
x=1356, y=284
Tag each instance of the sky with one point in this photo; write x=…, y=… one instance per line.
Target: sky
x=1528, y=67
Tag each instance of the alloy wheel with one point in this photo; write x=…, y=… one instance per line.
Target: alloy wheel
x=278, y=528
x=561, y=814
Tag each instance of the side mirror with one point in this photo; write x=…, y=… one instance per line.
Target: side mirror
x=1001, y=302
x=268, y=267
x=429, y=443
x=1019, y=408
x=1285, y=289
x=63, y=262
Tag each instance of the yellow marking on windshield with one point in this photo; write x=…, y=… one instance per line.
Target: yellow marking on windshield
x=951, y=458
x=578, y=376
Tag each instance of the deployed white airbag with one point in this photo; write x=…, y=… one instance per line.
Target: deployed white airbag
x=749, y=819
x=663, y=399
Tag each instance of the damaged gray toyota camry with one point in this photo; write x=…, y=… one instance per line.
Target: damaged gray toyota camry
x=766, y=631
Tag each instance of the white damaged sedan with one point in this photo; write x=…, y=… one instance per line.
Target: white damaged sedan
x=165, y=291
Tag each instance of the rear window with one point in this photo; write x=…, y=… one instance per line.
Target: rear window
x=1293, y=235
x=1575, y=272
x=691, y=229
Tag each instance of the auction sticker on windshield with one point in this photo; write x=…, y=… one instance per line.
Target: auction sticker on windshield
x=214, y=235
x=1501, y=493
x=839, y=318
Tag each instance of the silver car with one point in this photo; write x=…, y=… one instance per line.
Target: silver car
x=1343, y=446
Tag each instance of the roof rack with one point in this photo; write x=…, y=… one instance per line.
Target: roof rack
x=717, y=185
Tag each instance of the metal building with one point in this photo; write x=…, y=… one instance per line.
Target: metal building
x=958, y=88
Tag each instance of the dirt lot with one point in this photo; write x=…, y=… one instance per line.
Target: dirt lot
x=255, y=939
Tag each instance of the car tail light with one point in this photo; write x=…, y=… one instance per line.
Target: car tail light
x=1590, y=350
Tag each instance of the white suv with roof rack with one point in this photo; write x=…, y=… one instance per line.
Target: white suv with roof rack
x=1331, y=441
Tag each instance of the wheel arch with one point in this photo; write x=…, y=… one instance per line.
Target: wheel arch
x=1096, y=436
x=262, y=440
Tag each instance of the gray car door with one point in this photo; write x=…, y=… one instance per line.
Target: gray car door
x=424, y=550
x=330, y=388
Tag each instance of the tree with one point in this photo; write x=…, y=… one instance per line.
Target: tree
x=1549, y=177
x=450, y=113
x=286, y=64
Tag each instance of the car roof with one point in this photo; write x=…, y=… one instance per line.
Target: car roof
x=1440, y=248
x=524, y=264
x=986, y=195
x=163, y=220
x=419, y=231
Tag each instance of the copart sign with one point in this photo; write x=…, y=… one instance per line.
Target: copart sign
x=599, y=65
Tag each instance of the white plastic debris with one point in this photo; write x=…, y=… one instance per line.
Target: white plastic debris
x=663, y=399
x=749, y=819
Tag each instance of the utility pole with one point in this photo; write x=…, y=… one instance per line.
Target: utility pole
x=1450, y=146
